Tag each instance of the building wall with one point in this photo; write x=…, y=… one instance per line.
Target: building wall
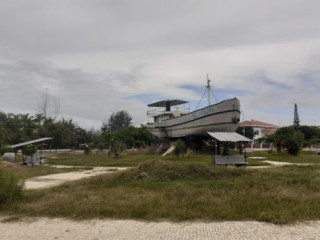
x=263, y=131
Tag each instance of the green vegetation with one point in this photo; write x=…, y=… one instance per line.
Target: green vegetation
x=179, y=190
x=294, y=138
x=286, y=137
x=29, y=150
x=117, y=149
x=100, y=159
x=10, y=187
x=117, y=121
x=4, y=149
x=188, y=188
x=131, y=137
x=246, y=131
x=180, y=148
x=15, y=128
x=129, y=159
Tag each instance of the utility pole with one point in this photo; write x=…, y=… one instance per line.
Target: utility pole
x=110, y=137
x=243, y=128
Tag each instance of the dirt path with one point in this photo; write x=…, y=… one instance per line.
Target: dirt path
x=56, y=179
x=45, y=228
x=280, y=164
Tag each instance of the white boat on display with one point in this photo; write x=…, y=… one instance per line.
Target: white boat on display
x=169, y=122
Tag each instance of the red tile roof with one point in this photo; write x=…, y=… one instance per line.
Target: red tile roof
x=255, y=123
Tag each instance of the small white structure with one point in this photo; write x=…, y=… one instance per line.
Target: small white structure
x=33, y=160
x=9, y=156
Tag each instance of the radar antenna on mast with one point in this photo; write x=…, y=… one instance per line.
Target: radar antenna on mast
x=208, y=89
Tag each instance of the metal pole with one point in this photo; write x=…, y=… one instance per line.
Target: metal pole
x=244, y=134
x=208, y=88
x=243, y=129
x=110, y=137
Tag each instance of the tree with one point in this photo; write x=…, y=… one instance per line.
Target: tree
x=4, y=149
x=286, y=137
x=15, y=128
x=310, y=132
x=29, y=150
x=296, y=120
x=248, y=131
x=48, y=102
x=130, y=136
x=117, y=121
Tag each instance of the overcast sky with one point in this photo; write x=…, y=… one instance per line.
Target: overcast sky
x=96, y=57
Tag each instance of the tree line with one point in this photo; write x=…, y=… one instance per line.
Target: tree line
x=291, y=138
x=66, y=133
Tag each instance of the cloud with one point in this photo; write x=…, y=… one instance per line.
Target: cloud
x=99, y=57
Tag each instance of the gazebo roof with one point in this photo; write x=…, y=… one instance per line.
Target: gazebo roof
x=229, y=137
x=31, y=142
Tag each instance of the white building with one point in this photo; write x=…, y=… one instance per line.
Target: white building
x=260, y=129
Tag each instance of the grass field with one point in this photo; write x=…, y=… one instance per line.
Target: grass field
x=129, y=159
x=100, y=159
x=181, y=189
x=176, y=190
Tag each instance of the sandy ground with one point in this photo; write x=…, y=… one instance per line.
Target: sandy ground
x=56, y=179
x=278, y=164
x=45, y=228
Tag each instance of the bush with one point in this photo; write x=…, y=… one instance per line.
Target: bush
x=293, y=147
x=4, y=149
x=117, y=148
x=190, y=153
x=180, y=148
x=10, y=187
x=29, y=150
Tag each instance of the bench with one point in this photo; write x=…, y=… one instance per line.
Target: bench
x=230, y=159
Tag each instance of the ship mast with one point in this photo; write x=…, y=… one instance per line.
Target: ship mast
x=208, y=89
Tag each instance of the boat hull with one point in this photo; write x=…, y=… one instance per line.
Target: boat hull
x=222, y=117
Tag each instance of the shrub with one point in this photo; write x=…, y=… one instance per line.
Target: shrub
x=180, y=148
x=117, y=149
x=190, y=153
x=86, y=149
x=293, y=147
x=4, y=149
x=29, y=150
x=10, y=187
